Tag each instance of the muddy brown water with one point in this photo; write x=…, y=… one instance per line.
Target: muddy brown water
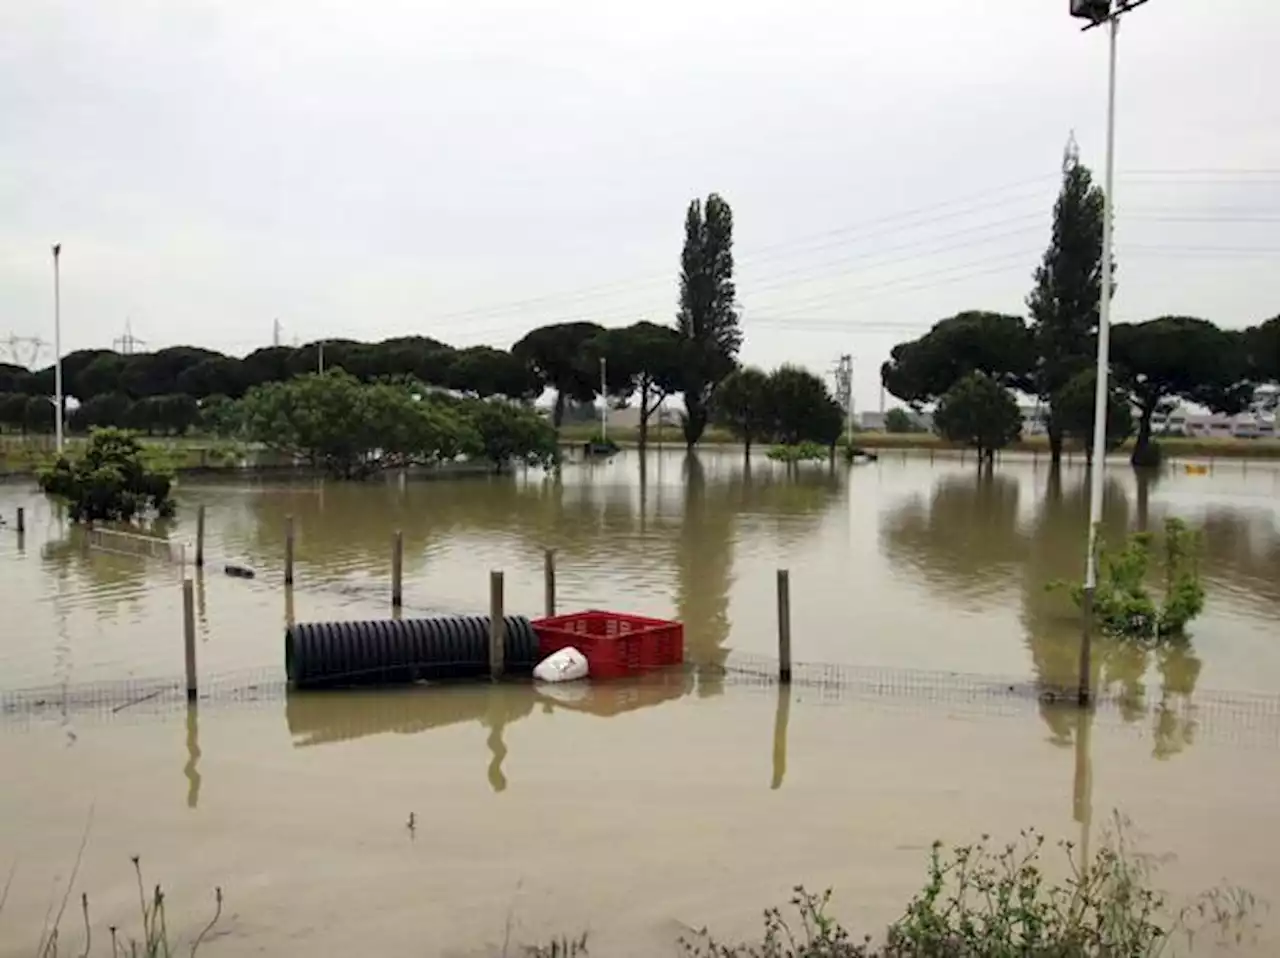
x=637, y=809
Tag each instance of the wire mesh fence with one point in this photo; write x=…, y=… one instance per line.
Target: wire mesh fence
x=118, y=542
x=1238, y=718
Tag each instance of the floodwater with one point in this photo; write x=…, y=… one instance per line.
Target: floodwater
x=928, y=645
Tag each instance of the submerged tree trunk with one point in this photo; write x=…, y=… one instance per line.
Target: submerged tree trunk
x=1055, y=444
x=645, y=411
x=695, y=422
x=1142, y=448
x=557, y=411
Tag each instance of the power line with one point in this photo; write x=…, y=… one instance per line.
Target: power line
x=868, y=259
x=968, y=205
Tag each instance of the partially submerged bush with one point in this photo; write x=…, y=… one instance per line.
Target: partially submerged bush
x=982, y=902
x=1122, y=604
x=110, y=481
x=800, y=452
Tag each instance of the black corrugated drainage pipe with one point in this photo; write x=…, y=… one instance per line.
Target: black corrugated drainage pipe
x=397, y=652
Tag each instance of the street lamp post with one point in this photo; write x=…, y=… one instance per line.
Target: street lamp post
x=1098, y=12
x=604, y=400
x=57, y=347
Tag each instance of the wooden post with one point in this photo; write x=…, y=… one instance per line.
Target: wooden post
x=200, y=537
x=784, y=626
x=288, y=550
x=189, y=635
x=397, y=571
x=549, y=580
x=22, y=520
x=497, y=627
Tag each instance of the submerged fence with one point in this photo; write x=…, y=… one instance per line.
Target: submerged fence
x=136, y=545
x=1243, y=719
x=1222, y=716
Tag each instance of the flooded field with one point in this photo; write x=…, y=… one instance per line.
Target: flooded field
x=919, y=612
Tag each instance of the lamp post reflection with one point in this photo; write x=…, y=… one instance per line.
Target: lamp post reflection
x=781, y=719
x=1082, y=792
x=191, y=768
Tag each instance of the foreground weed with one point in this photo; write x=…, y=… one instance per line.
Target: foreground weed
x=984, y=901
x=155, y=941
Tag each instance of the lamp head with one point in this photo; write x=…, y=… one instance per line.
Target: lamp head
x=1093, y=10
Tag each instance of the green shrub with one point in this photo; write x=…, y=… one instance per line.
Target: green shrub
x=800, y=452
x=110, y=481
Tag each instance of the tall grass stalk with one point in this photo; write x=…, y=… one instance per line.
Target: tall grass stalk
x=155, y=940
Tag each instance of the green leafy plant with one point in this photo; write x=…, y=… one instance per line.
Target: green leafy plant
x=112, y=480
x=1122, y=603
x=800, y=452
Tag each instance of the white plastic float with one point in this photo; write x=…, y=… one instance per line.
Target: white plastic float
x=566, y=665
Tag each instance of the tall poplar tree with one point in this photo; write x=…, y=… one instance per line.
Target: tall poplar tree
x=1064, y=304
x=707, y=320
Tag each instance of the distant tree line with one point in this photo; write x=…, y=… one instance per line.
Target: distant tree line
x=969, y=365
x=174, y=390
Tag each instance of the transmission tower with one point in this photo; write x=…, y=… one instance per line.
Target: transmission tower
x=844, y=390
x=127, y=344
x=25, y=350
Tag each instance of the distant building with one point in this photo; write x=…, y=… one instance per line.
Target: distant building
x=1033, y=420
x=871, y=421
x=1257, y=423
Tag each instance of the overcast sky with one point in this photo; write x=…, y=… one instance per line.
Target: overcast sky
x=470, y=170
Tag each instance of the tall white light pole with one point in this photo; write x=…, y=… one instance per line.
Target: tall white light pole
x=57, y=347
x=604, y=401
x=1099, y=12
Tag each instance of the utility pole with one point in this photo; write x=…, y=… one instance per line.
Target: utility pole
x=1098, y=12
x=275, y=332
x=57, y=345
x=320, y=347
x=844, y=391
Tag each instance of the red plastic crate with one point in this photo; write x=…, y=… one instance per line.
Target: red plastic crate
x=616, y=644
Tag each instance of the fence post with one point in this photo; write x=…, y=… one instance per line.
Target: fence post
x=549, y=580
x=397, y=571
x=200, y=537
x=784, y=626
x=288, y=550
x=189, y=636
x=497, y=627
x=22, y=520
